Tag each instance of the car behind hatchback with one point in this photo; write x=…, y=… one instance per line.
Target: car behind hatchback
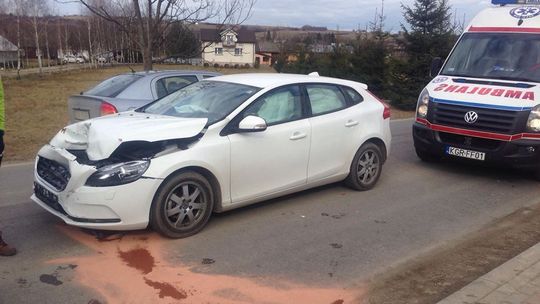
x=130, y=91
x=213, y=146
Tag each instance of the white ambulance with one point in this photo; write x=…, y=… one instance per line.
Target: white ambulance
x=484, y=103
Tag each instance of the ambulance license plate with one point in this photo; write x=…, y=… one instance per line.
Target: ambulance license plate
x=465, y=153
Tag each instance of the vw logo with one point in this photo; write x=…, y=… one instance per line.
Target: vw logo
x=525, y=12
x=471, y=117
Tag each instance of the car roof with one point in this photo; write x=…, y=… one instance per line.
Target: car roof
x=176, y=72
x=265, y=80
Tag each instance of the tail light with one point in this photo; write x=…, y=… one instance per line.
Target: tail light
x=386, y=113
x=107, y=108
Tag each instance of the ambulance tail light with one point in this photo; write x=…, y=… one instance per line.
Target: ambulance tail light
x=423, y=103
x=533, y=123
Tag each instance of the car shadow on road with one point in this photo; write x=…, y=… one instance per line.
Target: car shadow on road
x=473, y=169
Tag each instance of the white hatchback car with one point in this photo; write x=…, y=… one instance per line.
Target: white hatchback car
x=212, y=146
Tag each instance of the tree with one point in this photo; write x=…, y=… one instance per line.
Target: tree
x=36, y=10
x=369, y=64
x=430, y=34
x=369, y=60
x=181, y=42
x=145, y=22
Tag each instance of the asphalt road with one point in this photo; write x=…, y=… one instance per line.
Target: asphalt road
x=328, y=240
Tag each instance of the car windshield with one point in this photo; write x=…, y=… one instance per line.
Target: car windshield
x=206, y=99
x=113, y=86
x=506, y=56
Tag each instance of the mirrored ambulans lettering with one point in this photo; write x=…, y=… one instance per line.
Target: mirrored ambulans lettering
x=507, y=93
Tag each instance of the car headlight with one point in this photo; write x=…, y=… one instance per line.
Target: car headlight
x=533, y=123
x=118, y=174
x=423, y=103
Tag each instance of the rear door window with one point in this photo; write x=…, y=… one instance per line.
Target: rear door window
x=113, y=86
x=166, y=86
x=355, y=97
x=325, y=98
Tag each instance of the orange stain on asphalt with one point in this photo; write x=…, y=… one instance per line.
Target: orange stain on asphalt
x=138, y=258
x=133, y=269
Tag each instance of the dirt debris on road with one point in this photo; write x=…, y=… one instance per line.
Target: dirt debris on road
x=434, y=276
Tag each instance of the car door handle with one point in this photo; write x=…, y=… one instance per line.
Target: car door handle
x=351, y=123
x=297, y=135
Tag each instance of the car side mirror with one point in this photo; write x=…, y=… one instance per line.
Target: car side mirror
x=436, y=65
x=252, y=123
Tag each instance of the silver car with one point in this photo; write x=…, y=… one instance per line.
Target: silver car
x=129, y=91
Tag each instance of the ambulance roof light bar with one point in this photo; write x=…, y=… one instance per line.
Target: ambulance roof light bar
x=505, y=2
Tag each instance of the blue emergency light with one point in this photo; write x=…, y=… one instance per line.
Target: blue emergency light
x=504, y=2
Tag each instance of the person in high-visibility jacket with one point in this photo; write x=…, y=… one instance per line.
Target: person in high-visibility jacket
x=5, y=249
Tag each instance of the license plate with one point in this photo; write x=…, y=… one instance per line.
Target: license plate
x=45, y=195
x=81, y=114
x=465, y=153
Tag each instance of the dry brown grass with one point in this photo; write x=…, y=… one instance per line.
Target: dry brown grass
x=36, y=107
x=400, y=114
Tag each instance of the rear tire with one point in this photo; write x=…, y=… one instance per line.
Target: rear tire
x=366, y=168
x=182, y=206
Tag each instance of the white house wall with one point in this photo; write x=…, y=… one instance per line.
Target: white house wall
x=228, y=56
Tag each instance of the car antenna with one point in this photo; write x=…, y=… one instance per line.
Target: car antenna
x=132, y=70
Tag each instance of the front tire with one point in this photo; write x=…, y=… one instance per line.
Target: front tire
x=182, y=206
x=366, y=168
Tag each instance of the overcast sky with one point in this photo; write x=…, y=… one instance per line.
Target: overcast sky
x=345, y=14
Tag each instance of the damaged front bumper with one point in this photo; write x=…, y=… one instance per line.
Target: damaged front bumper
x=59, y=187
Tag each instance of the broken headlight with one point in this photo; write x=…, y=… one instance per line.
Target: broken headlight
x=118, y=174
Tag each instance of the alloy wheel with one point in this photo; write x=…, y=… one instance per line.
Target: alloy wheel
x=185, y=205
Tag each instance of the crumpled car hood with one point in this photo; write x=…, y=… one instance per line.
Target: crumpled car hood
x=101, y=136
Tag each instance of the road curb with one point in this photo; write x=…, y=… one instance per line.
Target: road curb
x=17, y=164
x=516, y=281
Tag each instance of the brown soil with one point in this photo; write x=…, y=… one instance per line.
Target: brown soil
x=400, y=114
x=432, y=277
